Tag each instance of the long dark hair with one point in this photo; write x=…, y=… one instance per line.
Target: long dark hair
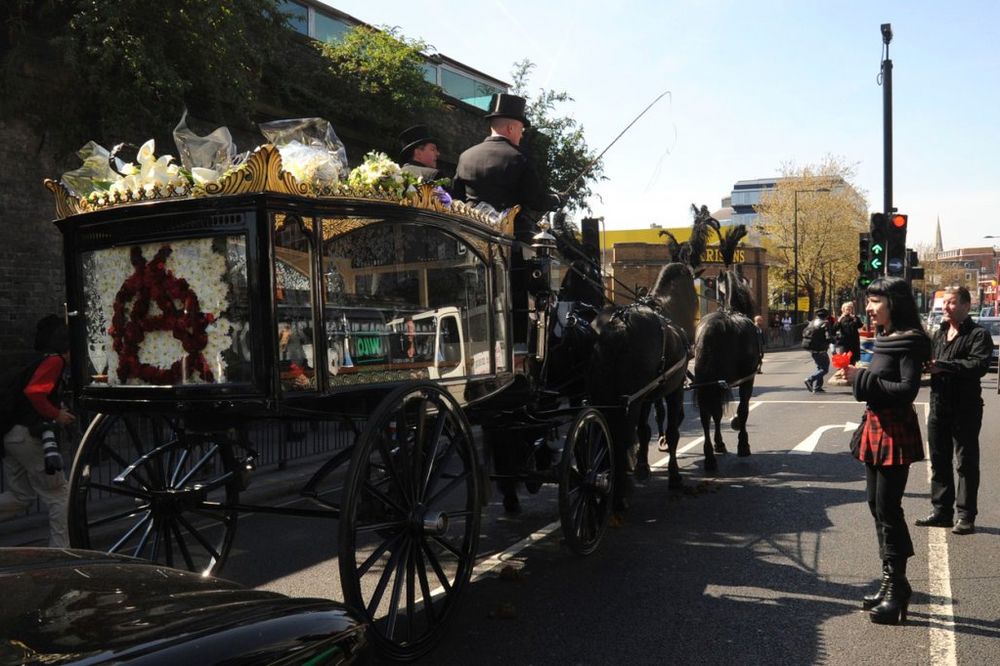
x=902, y=306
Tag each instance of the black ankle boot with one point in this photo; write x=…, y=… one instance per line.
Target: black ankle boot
x=872, y=600
x=892, y=609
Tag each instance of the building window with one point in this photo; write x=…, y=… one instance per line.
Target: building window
x=328, y=29
x=467, y=89
x=431, y=73
x=746, y=198
x=298, y=16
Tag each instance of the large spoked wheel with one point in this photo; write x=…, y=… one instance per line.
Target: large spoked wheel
x=586, y=478
x=409, y=521
x=142, y=486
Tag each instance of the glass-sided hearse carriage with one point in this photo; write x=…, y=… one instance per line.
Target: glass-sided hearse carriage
x=194, y=317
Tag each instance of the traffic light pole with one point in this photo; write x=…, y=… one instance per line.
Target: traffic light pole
x=887, y=121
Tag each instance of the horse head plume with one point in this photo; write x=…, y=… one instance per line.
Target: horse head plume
x=674, y=249
x=738, y=297
x=729, y=242
x=703, y=221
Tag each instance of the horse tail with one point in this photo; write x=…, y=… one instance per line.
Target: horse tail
x=712, y=395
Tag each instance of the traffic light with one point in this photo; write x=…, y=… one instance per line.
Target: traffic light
x=865, y=274
x=895, y=247
x=877, y=246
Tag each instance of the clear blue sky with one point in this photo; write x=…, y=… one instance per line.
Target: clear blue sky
x=754, y=85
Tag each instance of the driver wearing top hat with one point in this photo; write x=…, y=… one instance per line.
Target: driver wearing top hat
x=498, y=173
x=419, y=152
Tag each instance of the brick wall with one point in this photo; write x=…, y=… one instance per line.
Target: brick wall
x=31, y=269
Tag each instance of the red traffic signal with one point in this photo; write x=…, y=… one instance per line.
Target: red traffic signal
x=898, y=221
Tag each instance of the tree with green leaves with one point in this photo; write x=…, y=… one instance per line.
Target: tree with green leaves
x=556, y=143
x=814, y=212
x=378, y=76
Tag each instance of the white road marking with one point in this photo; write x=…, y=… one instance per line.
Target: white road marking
x=808, y=445
x=942, y=632
x=662, y=462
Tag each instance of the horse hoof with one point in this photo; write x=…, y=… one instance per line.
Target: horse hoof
x=720, y=449
x=743, y=451
x=512, y=505
x=641, y=472
x=711, y=466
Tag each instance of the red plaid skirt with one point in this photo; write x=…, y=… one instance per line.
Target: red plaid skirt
x=891, y=436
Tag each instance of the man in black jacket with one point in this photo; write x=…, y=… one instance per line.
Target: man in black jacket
x=498, y=173
x=816, y=338
x=961, y=356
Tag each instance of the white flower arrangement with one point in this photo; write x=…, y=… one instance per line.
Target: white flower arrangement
x=151, y=177
x=378, y=173
x=311, y=164
x=205, y=272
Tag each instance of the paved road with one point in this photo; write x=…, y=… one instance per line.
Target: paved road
x=763, y=563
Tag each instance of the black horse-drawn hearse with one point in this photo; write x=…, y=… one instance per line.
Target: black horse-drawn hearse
x=262, y=299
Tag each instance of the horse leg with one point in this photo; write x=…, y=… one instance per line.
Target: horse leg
x=505, y=463
x=710, y=464
x=675, y=415
x=742, y=413
x=661, y=415
x=623, y=434
x=644, y=432
x=720, y=445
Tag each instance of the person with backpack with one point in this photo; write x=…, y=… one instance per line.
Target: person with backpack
x=816, y=339
x=33, y=465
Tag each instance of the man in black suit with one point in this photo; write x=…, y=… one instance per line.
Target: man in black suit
x=419, y=153
x=498, y=173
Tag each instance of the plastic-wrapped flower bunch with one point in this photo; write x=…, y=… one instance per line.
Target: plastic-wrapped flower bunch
x=378, y=174
x=310, y=150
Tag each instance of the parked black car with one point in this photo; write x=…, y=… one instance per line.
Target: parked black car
x=84, y=607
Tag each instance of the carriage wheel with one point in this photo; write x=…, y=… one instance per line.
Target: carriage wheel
x=586, y=479
x=141, y=486
x=409, y=521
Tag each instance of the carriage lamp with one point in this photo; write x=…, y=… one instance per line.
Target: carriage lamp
x=543, y=243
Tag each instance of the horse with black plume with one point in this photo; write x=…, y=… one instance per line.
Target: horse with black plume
x=641, y=355
x=727, y=355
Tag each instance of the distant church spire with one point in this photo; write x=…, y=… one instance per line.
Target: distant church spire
x=938, y=245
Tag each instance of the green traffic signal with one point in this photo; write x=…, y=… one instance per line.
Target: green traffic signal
x=877, y=248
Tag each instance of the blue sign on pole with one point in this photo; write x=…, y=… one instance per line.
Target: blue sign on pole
x=895, y=266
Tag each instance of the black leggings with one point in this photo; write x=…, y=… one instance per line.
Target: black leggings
x=885, y=488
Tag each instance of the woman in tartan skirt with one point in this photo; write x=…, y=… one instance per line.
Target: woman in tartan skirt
x=888, y=439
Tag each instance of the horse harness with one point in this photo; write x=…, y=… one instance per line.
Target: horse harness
x=720, y=382
x=665, y=323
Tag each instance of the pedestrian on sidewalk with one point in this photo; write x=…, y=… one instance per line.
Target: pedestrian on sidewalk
x=816, y=338
x=33, y=465
x=888, y=439
x=846, y=336
x=961, y=352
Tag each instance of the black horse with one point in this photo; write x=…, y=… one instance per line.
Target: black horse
x=727, y=354
x=641, y=356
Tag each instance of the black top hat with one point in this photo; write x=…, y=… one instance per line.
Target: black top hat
x=503, y=105
x=412, y=138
